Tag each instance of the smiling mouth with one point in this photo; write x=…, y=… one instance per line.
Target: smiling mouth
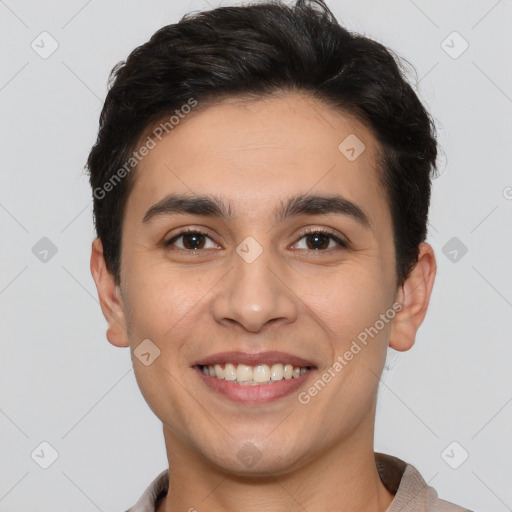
x=258, y=375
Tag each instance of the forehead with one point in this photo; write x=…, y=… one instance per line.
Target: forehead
x=252, y=153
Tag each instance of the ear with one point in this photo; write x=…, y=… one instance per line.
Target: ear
x=414, y=296
x=109, y=294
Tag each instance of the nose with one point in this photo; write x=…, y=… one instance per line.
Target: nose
x=254, y=295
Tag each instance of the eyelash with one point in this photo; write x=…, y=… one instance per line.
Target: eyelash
x=309, y=231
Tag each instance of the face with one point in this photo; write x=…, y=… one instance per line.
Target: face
x=260, y=285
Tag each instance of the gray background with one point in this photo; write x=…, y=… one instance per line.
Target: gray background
x=61, y=382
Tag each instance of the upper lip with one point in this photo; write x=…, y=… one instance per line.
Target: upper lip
x=253, y=359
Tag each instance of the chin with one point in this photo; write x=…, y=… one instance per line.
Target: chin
x=256, y=459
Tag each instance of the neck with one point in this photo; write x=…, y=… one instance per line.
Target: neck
x=342, y=479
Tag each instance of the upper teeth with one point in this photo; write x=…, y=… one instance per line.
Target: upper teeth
x=262, y=373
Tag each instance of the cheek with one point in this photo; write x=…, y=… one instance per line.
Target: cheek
x=165, y=308
x=347, y=302
x=162, y=299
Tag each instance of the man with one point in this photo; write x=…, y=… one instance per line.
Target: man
x=261, y=185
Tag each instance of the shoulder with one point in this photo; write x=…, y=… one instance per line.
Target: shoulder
x=156, y=490
x=411, y=491
x=446, y=506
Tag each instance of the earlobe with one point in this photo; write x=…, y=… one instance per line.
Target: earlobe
x=414, y=296
x=109, y=297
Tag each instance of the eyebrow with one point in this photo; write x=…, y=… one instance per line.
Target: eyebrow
x=212, y=206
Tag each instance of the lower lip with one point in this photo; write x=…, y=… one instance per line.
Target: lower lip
x=254, y=395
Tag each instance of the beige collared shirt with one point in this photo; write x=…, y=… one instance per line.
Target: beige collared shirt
x=412, y=493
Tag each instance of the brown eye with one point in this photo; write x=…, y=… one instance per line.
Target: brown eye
x=320, y=240
x=192, y=240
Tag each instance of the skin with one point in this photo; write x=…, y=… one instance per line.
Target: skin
x=293, y=298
